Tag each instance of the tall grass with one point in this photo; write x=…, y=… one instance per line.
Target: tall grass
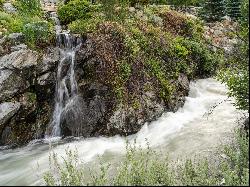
x=147, y=167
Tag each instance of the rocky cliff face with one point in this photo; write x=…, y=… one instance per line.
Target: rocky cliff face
x=27, y=86
x=27, y=83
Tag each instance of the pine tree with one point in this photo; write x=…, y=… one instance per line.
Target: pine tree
x=233, y=9
x=213, y=10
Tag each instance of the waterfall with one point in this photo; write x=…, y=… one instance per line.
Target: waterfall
x=66, y=85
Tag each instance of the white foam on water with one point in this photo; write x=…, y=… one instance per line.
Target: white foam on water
x=189, y=129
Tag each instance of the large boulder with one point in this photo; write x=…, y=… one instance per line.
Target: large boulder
x=7, y=111
x=27, y=78
x=11, y=84
x=17, y=72
x=20, y=60
x=49, y=61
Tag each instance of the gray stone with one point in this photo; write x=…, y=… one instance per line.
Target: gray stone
x=15, y=72
x=139, y=14
x=1, y=50
x=10, y=84
x=21, y=59
x=183, y=81
x=3, y=40
x=49, y=61
x=9, y=8
x=84, y=114
x=218, y=32
x=5, y=137
x=16, y=38
x=157, y=20
x=131, y=9
x=7, y=111
x=18, y=47
x=46, y=79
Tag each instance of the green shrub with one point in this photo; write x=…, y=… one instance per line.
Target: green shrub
x=10, y=22
x=29, y=7
x=206, y=61
x=5, y=17
x=37, y=33
x=1, y=3
x=82, y=26
x=213, y=10
x=74, y=10
x=236, y=71
x=237, y=81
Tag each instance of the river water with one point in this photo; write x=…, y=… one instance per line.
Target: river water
x=196, y=128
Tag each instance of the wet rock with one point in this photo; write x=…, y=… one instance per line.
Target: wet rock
x=127, y=121
x=46, y=79
x=49, y=62
x=6, y=136
x=85, y=114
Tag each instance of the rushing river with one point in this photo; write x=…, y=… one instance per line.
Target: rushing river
x=196, y=128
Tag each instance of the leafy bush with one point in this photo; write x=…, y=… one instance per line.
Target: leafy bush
x=236, y=72
x=29, y=7
x=237, y=81
x=82, y=26
x=206, y=60
x=185, y=2
x=10, y=22
x=74, y=10
x=37, y=33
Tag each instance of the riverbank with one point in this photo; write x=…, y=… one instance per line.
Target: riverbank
x=173, y=133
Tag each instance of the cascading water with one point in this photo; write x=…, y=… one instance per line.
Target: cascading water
x=187, y=132
x=66, y=85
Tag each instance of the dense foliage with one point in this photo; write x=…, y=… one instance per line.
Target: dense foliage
x=169, y=43
x=73, y=10
x=29, y=7
x=213, y=10
x=236, y=73
x=29, y=21
x=233, y=9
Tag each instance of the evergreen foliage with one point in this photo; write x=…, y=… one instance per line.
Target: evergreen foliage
x=233, y=9
x=213, y=10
